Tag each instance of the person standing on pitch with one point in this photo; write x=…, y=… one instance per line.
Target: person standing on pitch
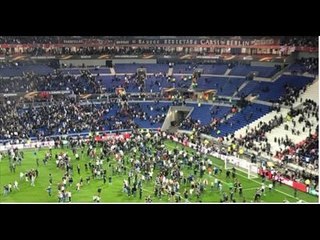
x=49, y=190
x=50, y=178
x=240, y=189
x=233, y=173
x=78, y=168
x=140, y=193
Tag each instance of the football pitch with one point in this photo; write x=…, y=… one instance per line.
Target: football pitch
x=113, y=192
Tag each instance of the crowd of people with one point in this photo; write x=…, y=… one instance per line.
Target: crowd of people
x=303, y=65
x=66, y=115
x=29, y=39
x=305, y=41
x=307, y=149
x=86, y=83
x=304, y=154
x=177, y=175
x=289, y=40
x=291, y=95
x=59, y=117
x=70, y=116
x=110, y=50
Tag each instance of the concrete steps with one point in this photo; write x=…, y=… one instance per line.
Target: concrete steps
x=227, y=72
x=170, y=72
x=112, y=71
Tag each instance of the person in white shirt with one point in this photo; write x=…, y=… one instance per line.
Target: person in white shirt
x=33, y=178
x=216, y=183
x=15, y=185
x=78, y=186
x=220, y=187
x=9, y=187
x=69, y=196
x=96, y=198
x=263, y=189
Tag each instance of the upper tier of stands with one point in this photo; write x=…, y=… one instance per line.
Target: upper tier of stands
x=216, y=69
x=309, y=65
x=225, y=86
x=272, y=91
x=150, y=68
x=244, y=70
x=13, y=70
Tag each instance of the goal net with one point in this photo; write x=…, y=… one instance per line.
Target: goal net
x=241, y=165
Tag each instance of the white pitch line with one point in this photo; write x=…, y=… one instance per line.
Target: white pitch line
x=276, y=190
x=260, y=184
x=247, y=189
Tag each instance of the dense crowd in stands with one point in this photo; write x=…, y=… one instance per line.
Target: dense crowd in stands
x=33, y=82
x=308, y=41
x=256, y=140
x=69, y=116
x=291, y=95
x=309, y=110
x=28, y=39
x=86, y=82
x=309, y=65
x=311, y=41
x=305, y=154
x=38, y=51
x=116, y=51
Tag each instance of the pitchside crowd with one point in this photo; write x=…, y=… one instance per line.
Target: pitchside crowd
x=176, y=174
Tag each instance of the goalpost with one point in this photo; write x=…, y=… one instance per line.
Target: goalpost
x=250, y=169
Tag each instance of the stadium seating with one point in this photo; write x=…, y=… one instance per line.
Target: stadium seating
x=150, y=68
x=216, y=69
x=12, y=71
x=242, y=118
x=207, y=112
x=244, y=70
x=225, y=86
x=272, y=91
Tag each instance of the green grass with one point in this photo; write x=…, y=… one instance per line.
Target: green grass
x=113, y=192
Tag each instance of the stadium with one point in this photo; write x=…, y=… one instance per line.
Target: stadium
x=159, y=119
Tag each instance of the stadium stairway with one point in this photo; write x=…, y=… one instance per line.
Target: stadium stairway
x=228, y=71
x=243, y=85
x=113, y=72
